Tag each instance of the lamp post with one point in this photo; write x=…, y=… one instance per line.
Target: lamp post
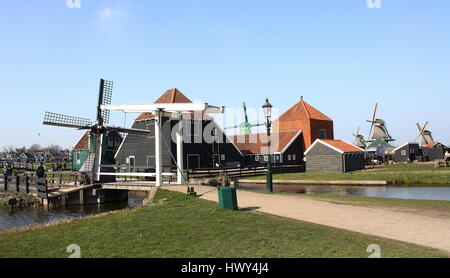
x=267, y=108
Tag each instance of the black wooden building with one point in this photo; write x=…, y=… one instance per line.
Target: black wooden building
x=205, y=145
x=286, y=148
x=408, y=152
x=434, y=151
x=334, y=156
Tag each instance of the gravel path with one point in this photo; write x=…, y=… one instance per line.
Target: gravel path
x=403, y=226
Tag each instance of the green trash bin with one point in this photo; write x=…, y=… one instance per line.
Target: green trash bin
x=227, y=198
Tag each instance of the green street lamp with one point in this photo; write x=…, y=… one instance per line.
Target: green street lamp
x=267, y=108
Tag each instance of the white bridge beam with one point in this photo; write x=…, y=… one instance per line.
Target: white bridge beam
x=167, y=110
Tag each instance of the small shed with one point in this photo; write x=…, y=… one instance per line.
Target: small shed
x=334, y=156
x=433, y=151
x=408, y=152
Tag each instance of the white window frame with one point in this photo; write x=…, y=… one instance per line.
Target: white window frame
x=257, y=158
x=78, y=157
x=222, y=157
x=294, y=157
x=289, y=157
x=403, y=152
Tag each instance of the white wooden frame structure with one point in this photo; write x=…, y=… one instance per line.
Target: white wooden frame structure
x=164, y=110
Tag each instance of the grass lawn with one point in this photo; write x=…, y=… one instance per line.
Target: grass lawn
x=185, y=227
x=395, y=174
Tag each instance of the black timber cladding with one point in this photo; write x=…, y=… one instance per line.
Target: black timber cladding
x=197, y=151
x=322, y=158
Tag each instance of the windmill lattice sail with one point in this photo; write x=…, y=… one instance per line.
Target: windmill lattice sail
x=60, y=120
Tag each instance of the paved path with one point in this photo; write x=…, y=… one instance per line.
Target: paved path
x=408, y=227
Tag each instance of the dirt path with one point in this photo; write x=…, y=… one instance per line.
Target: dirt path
x=402, y=226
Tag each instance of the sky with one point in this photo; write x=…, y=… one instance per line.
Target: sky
x=341, y=55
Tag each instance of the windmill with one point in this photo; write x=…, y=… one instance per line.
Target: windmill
x=360, y=142
x=378, y=129
x=97, y=129
x=245, y=127
x=426, y=135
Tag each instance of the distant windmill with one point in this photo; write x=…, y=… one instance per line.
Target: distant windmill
x=360, y=142
x=378, y=129
x=96, y=129
x=245, y=127
x=427, y=138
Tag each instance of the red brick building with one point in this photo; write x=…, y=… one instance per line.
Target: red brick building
x=313, y=123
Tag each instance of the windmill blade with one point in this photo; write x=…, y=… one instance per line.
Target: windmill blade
x=373, y=119
x=244, y=107
x=104, y=98
x=128, y=130
x=424, y=127
x=233, y=127
x=60, y=120
x=419, y=127
x=256, y=124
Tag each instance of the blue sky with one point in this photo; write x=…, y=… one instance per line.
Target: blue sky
x=339, y=54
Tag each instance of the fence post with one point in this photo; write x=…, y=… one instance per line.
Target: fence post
x=27, y=184
x=17, y=183
x=6, y=182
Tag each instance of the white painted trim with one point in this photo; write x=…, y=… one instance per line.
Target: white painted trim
x=167, y=107
x=292, y=141
x=405, y=145
x=136, y=174
x=323, y=143
x=330, y=146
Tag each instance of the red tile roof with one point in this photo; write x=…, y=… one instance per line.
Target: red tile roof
x=257, y=143
x=83, y=144
x=430, y=145
x=301, y=111
x=170, y=96
x=343, y=146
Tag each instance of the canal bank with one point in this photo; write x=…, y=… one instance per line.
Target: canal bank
x=17, y=218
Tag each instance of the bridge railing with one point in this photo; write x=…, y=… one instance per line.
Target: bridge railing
x=31, y=184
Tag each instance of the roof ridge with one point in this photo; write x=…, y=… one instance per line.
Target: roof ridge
x=306, y=109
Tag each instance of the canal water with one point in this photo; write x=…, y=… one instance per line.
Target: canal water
x=415, y=192
x=10, y=219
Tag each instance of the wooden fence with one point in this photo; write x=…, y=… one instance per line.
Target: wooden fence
x=34, y=166
x=243, y=172
x=29, y=183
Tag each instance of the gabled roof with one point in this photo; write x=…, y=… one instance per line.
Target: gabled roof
x=83, y=144
x=302, y=111
x=379, y=140
x=257, y=143
x=406, y=144
x=337, y=145
x=431, y=145
x=170, y=96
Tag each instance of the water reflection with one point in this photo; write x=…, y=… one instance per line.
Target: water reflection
x=32, y=216
x=416, y=192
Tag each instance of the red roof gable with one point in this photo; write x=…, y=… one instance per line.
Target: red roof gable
x=83, y=144
x=257, y=143
x=340, y=145
x=170, y=96
x=302, y=110
x=430, y=145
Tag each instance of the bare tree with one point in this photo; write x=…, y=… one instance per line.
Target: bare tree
x=34, y=148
